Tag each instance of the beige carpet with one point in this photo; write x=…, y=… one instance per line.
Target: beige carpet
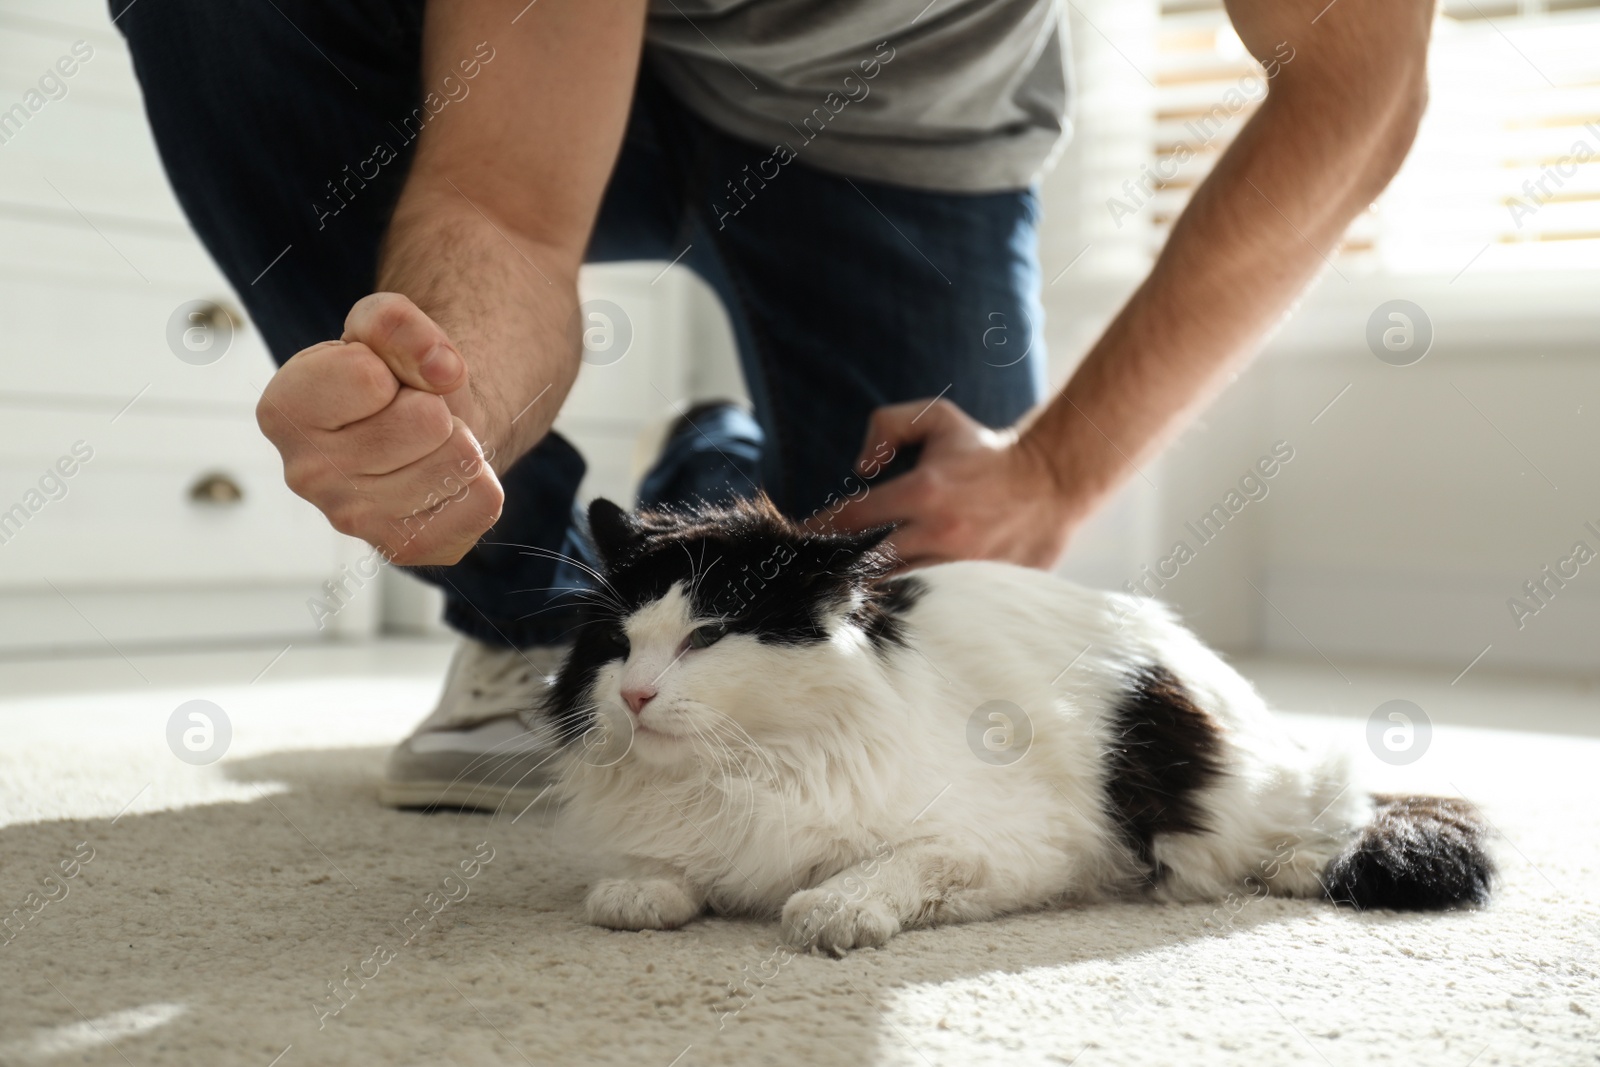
x=222, y=901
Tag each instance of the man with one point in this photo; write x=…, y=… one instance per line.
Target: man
x=403, y=196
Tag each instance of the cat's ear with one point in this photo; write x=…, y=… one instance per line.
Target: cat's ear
x=867, y=540
x=613, y=530
x=864, y=554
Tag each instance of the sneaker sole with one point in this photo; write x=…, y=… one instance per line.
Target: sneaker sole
x=469, y=796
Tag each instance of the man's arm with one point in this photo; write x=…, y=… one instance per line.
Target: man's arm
x=1336, y=124
x=478, y=280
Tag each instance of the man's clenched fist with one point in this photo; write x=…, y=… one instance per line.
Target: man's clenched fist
x=373, y=429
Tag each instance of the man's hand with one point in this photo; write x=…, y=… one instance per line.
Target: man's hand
x=391, y=431
x=373, y=430
x=1348, y=86
x=976, y=493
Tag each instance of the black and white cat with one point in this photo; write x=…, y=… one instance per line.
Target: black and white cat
x=758, y=721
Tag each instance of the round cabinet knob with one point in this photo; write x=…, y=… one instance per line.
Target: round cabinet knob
x=213, y=315
x=210, y=315
x=200, y=332
x=215, y=488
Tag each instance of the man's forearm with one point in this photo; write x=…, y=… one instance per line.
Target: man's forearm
x=505, y=300
x=490, y=231
x=1261, y=226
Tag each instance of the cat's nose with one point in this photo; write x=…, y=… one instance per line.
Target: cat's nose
x=636, y=699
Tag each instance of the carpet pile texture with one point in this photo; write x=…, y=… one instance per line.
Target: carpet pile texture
x=210, y=911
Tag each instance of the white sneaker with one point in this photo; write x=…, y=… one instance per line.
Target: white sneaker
x=475, y=751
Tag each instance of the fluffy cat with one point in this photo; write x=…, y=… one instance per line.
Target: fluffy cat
x=758, y=720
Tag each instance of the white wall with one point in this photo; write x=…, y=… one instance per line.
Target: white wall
x=1408, y=516
x=1431, y=493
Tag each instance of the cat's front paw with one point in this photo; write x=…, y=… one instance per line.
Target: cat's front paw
x=826, y=920
x=639, y=904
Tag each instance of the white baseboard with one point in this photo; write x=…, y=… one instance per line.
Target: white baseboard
x=1447, y=619
x=125, y=620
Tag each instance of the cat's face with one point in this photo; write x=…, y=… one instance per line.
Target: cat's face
x=711, y=628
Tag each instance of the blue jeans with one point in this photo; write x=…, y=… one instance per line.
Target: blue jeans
x=844, y=294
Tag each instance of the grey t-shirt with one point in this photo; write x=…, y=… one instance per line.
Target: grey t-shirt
x=953, y=95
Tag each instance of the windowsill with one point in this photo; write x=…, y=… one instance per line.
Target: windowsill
x=1539, y=312
x=1522, y=311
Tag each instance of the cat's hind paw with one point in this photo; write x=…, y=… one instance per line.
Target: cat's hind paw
x=639, y=904
x=825, y=920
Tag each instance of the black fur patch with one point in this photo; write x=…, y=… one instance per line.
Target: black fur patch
x=596, y=642
x=745, y=565
x=1417, y=854
x=1163, y=750
x=882, y=617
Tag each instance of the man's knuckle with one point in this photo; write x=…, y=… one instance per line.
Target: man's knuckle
x=389, y=315
x=491, y=499
x=430, y=419
x=299, y=474
x=267, y=418
x=370, y=375
x=348, y=516
x=464, y=451
x=407, y=555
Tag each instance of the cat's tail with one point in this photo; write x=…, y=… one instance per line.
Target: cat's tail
x=1417, y=854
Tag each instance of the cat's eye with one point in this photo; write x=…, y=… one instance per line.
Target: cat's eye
x=618, y=642
x=707, y=635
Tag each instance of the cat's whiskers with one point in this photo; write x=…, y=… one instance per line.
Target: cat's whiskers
x=698, y=577
x=509, y=749
x=741, y=735
x=535, y=550
x=749, y=751
x=705, y=781
x=726, y=762
x=556, y=607
x=567, y=594
x=570, y=768
x=772, y=779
